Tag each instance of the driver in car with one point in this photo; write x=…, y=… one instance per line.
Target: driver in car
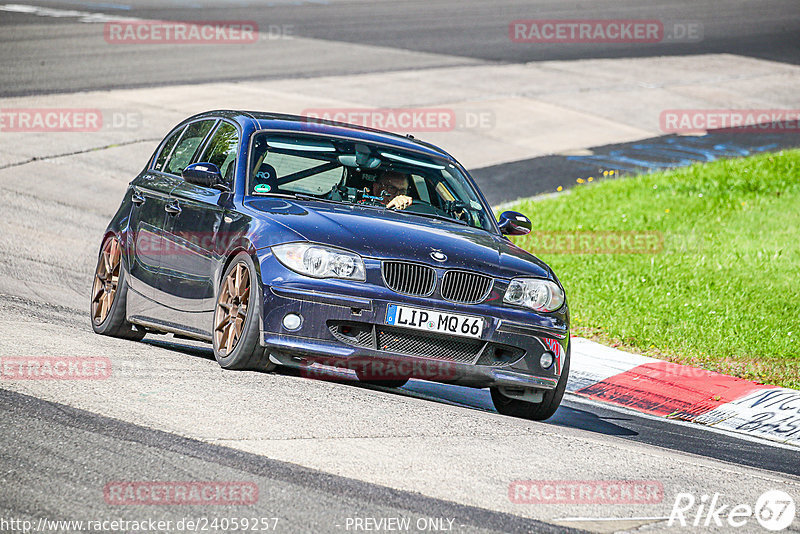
x=392, y=187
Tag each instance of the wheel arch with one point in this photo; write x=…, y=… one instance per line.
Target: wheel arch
x=116, y=233
x=244, y=246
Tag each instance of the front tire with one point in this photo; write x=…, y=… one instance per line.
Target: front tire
x=539, y=411
x=110, y=294
x=236, y=329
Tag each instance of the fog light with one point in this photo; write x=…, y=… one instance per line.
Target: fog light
x=292, y=321
x=546, y=360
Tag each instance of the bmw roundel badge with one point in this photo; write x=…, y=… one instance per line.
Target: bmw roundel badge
x=438, y=255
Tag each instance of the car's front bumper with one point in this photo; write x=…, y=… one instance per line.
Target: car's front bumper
x=347, y=331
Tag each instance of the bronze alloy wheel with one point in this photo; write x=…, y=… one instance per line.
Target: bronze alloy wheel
x=106, y=280
x=231, y=312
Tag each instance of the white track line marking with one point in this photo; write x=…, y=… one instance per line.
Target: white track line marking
x=82, y=16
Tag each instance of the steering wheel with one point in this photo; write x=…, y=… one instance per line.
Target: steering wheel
x=418, y=206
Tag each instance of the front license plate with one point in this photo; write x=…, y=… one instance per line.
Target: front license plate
x=434, y=321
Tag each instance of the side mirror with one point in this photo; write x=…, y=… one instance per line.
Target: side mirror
x=513, y=223
x=204, y=174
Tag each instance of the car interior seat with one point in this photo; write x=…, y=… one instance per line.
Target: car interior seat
x=265, y=175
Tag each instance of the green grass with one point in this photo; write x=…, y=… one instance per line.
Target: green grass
x=723, y=293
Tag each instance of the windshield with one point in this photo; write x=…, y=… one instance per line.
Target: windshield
x=356, y=172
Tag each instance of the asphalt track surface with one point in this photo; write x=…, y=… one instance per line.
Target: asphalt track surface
x=44, y=54
x=59, y=446
x=52, y=436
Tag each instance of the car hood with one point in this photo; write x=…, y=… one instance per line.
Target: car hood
x=388, y=234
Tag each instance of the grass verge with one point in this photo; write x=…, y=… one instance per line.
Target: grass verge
x=720, y=290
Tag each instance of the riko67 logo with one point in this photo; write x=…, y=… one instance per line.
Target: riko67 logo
x=774, y=510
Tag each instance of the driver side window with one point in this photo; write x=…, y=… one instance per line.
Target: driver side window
x=166, y=150
x=192, y=137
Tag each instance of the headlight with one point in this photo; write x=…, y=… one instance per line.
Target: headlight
x=541, y=295
x=320, y=261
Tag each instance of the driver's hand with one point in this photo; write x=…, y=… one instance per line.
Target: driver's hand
x=399, y=202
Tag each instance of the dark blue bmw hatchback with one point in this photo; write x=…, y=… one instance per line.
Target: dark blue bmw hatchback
x=287, y=241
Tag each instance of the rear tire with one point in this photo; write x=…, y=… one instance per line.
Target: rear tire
x=110, y=293
x=539, y=411
x=236, y=331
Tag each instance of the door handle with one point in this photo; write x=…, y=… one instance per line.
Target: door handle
x=173, y=209
x=137, y=198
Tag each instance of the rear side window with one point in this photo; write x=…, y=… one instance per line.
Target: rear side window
x=222, y=149
x=187, y=146
x=165, y=151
